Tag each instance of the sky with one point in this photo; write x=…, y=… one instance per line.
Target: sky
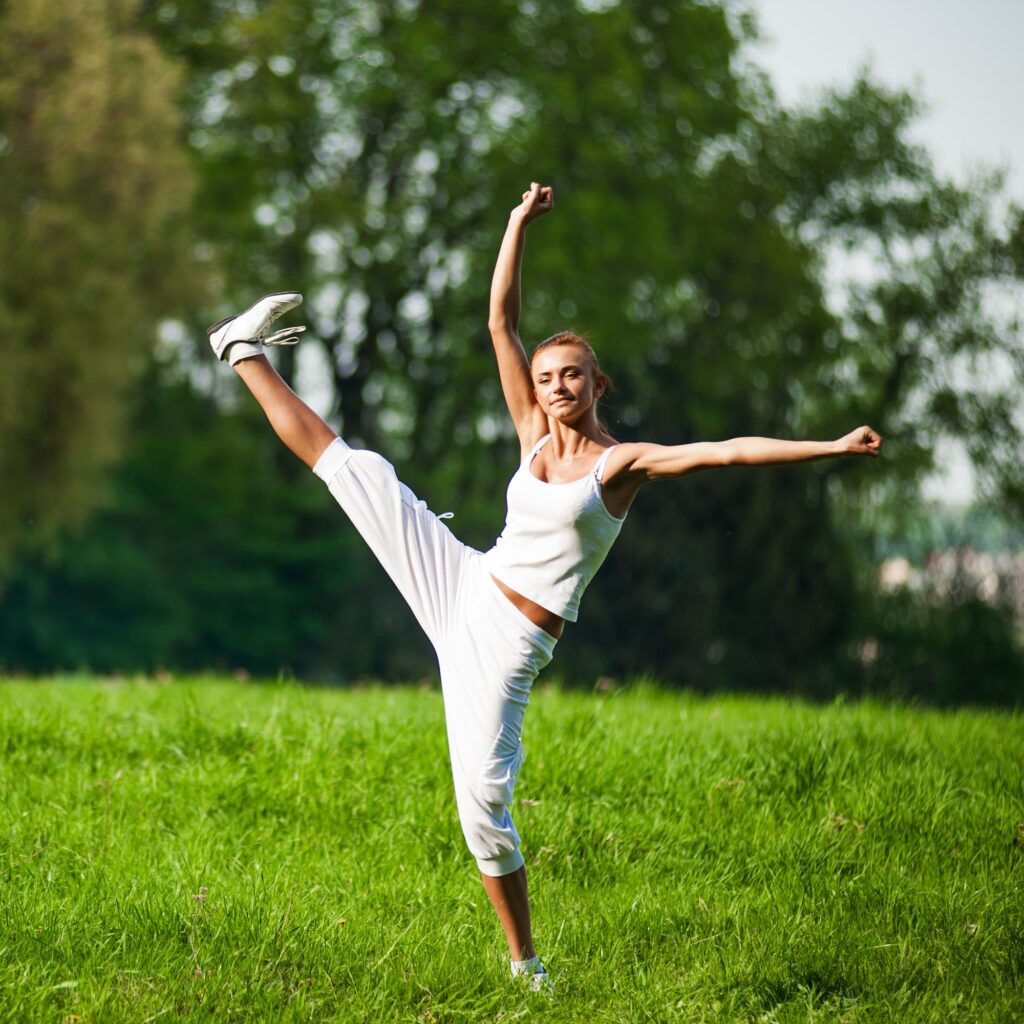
x=966, y=60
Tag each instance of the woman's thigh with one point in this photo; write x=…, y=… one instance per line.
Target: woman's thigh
x=488, y=667
x=420, y=554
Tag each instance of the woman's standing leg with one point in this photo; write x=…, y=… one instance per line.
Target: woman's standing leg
x=511, y=902
x=489, y=661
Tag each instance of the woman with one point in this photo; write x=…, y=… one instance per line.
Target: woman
x=494, y=617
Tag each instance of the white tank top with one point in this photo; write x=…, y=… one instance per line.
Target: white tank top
x=556, y=536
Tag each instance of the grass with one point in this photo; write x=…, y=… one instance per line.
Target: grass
x=212, y=850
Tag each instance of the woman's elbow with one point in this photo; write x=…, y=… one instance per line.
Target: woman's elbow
x=725, y=453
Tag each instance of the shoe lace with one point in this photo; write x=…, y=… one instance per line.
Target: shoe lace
x=286, y=336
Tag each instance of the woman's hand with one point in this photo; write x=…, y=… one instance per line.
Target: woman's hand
x=862, y=441
x=536, y=202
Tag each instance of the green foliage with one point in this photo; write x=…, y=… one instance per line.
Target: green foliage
x=368, y=154
x=211, y=851
x=95, y=176
x=929, y=339
x=204, y=554
x=958, y=652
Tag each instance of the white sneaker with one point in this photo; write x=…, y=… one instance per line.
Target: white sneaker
x=243, y=336
x=540, y=981
x=533, y=975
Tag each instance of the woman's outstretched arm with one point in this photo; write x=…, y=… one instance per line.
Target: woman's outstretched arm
x=661, y=462
x=503, y=316
x=632, y=465
x=301, y=429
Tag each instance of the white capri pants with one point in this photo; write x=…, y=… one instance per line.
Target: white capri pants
x=488, y=651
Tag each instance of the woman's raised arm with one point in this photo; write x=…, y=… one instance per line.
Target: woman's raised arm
x=503, y=317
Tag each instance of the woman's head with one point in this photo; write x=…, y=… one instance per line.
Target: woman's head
x=567, y=377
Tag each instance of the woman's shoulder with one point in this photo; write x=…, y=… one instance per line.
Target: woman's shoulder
x=622, y=458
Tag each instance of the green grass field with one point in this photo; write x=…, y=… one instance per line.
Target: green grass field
x=211, y=850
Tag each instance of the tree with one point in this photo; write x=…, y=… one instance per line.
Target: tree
x=178, y=571
x=929, y=335
x=369, y=152
x=96, y=179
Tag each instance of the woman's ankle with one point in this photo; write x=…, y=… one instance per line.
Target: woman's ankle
x=525, y=965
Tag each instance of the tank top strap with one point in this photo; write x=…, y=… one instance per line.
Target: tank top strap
x=536, y=448
x=599, y=468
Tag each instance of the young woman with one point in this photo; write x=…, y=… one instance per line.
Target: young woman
x=494, y=617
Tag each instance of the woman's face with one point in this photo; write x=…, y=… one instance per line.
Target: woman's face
x=564, y=382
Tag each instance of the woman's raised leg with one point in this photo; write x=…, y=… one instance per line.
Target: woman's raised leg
x=301, y=429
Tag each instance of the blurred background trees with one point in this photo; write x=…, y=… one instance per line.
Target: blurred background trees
x=368, y=153
x=96, y=182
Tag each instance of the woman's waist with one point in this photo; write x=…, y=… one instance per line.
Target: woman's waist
x=549, y=621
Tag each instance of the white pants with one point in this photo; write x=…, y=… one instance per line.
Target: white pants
x=488, y=651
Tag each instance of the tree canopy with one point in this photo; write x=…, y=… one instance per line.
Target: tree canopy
x=96, y=186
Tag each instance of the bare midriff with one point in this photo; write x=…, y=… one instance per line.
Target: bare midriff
x=537, y=614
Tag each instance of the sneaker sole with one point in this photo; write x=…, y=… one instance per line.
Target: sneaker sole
x=210, y=331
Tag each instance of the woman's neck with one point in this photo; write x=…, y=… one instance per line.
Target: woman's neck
x=570, y=440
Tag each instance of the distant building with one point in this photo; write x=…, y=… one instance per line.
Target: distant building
x=960, y=574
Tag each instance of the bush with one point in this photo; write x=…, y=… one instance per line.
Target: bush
x=962, y=652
